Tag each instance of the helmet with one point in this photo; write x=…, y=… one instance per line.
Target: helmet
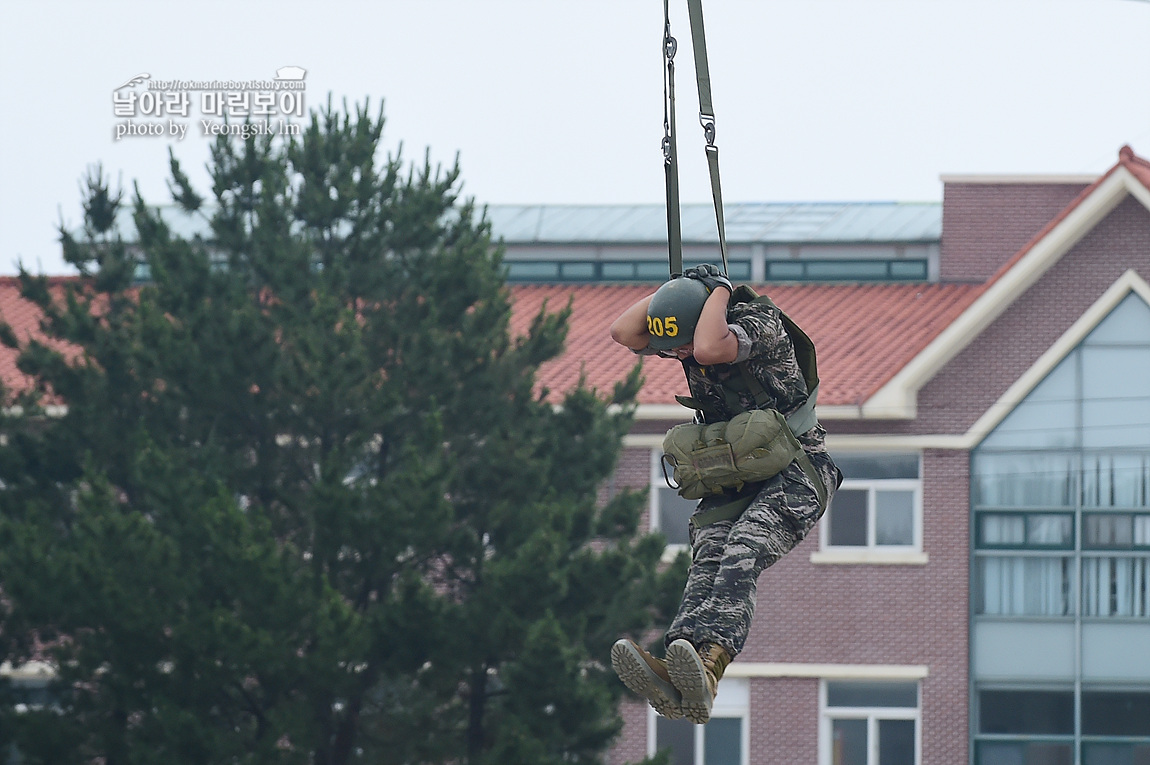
x=674, y=311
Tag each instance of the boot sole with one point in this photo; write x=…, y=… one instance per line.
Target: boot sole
x=690, y=678
x=641, y=679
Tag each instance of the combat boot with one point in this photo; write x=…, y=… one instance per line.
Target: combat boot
x=647, y=676
x=696, y=674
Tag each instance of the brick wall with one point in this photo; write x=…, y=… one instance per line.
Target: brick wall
x=784, y=721
x=981, y=373
x=984, y=224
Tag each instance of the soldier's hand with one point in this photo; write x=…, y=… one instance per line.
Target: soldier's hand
x=709, y=275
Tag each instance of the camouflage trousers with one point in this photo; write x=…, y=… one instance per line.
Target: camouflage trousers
x=728, y=556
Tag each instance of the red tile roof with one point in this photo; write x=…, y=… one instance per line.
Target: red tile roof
x=864, y=334
x=24, y=318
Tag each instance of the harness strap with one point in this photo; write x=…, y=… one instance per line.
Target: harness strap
x=737, y=507
x=670, y=149
x=707, y=118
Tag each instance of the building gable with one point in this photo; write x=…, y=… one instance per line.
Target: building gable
x=1130, y=178
x=1130, y=283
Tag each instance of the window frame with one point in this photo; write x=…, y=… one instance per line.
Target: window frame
x=659, y=481
x=732, y=705
x=828, y=714
x=871, y=552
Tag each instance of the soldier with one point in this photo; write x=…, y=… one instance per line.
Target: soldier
x=734, y=536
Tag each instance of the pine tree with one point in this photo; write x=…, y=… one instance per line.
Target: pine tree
x=307, y=503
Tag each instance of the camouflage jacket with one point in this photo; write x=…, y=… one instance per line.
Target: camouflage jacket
x=767, y=353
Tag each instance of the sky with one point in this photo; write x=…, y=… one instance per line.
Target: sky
x=561, y=101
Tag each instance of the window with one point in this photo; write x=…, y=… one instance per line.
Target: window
x=1023, y=584
x=669, y=512
x=1036, y=727
x=853, y=270
x=869, y=723
x=878, y=508
x=722, y=741
x=1060, y=495
x=1115, y=727
x=607, y=270
x=719, y=742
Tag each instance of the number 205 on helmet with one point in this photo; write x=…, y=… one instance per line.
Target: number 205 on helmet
x=674, y=311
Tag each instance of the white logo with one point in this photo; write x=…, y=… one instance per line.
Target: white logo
x=240, y=107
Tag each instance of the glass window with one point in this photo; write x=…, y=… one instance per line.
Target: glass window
x=1097, y=753
x=894, y=517
x=1108, y=531
x=1127, y=324
x=1116, y=587
x=1024, y=753
x=852, y=270
x=1116, y=713
x=1026, y=530
x=719, y=742
x=1023, y=586
x=670, y=513
x=679, y=737
x=1002, y=530
x=1027, y=479
x=879, y=504
x=896, y=742
x=785, y=270
x=849, y=516
x=1026, y=712
x=878, y=466
x=577, y=271
x=529, y=271
x=913, y=270
x=1116, y=479
x=1045, y=419
x=849, y=745
x=652, y=271
x=723, y=741
x=618, y=271
x=870, y=722
x=871, y=694
x=1077, y=444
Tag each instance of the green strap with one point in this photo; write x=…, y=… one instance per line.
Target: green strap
x=707, y=118
x=702, y=70
x=804, y=418
x=724, y=512
x=717, y=196
x=737, y=507
x=670, y=150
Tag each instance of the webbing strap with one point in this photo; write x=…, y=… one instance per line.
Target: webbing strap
x=670, y=149
x=717, y=196
x=735, y=508
x=707, y=118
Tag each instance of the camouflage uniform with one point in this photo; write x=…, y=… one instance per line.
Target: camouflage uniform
x=728, y=556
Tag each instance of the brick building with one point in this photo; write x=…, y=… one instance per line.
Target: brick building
x=980, y=589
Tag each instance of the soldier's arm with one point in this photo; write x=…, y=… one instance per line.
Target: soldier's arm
x=715, y=343
x=630, y=329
